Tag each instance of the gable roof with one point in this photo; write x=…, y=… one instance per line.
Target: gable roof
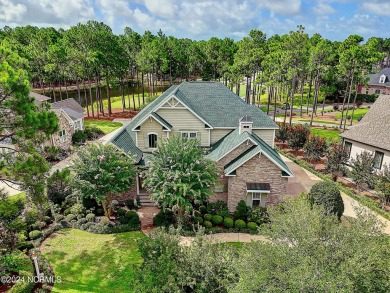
x=374, y=128
x=39, y=97
x=70, y=107
x=233, y=139
x=374, y=78
x=125, y=141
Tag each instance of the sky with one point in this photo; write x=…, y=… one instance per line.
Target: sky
x=202, y=19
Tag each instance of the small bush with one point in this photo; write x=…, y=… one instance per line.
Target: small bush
x=131, y=214
x=335, y=107
x=71, y=217
x=82, y=221
x=40, y=224
x=93, y=133
x=252, y=226
x=90, y=217
x=104, y=221
x=240, y=224
x=64, y=223
x=258, y=215
x=99, y=211
x=164, y=218
x=35, y=234
x=124, y=220
x=121, y=212
x=203, y=209
x=135, y=222
x=242, y=211
x=199, y=220
x=207, y=224
x=208, y=217
x=130, y=203
x=328, y=195
x=219, y=208
x=217, y=220
x=228, y=222
x=79, y=137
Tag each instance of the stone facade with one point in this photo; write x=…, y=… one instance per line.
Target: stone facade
x=256, y=170
x=234, y=154
x=64, y=124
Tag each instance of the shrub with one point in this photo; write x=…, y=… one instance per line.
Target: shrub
x=240, y=224
x=77, y=209
x=121, y=212
x=124, y=220
x=58, y=217
x=252, y=226
x=219, y=208
x=335, y=107
x=54, y=154
x=217, y=220
x=203, y=209
x=228, y=222
x=337, y=156
x=328, y=195
x=87, y=225
x=164, y=218
x=90, y=217
x=47, y=219
x=281, y=133
x=315, y=147
x=104, y=221
x=64, y=223
x=130, y=203
x=258, y=215
x=99, y=211
x=297, y=136
x=71, y=217
x=131, y=214
x=79, y=137
x=208, y=217
x=242, y=211
x=58, y=186
x=114, y=204
x=35, y=234
x=135, y=222
x=93, y=133
x=207, y=224
x=362, y=169
x=82, y=221
x=199, y=220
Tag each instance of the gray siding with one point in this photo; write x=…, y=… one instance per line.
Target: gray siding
x=150, y=125
x=266, y=134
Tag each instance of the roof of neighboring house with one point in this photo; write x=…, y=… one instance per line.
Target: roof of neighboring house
x=232, y=140
x=125, y=141
x=70, y=107
x=374, y=128
x=39, y=97
x=374, y=78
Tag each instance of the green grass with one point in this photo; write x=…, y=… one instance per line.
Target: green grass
x=89, y=262
x=356, y=114
x=104, y=125
x=17, y=197
x=329, y=134
x=319, y=121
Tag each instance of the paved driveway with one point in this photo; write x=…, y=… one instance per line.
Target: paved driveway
x=304, y=180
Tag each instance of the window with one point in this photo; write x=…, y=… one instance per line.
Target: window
x=62, y=135
x=348, y=148
x=189, y=135
x=256, y=199
x=377, y=91
x=77, y=125
x=382, y=79
x=246, y=126
x=378, y=159
x=152, y=140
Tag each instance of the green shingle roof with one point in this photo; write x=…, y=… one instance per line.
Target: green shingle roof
x=241, y=159
x=125, y=142
x=162, y=121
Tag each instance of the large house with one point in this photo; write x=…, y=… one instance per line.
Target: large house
x=372, y=133
x=378, y=83
x=239, y=138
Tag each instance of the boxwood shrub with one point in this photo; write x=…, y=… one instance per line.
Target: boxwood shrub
x=217, y=220
x=228, y=222
x=35, y=234
x=199, y=220
x=328, y=195
x=252, y=226
x=131, y=214
x=90, y=217
x=121, y=212
x=208, y=217
x=207, y=224
x=71, y=217
x=240, y=224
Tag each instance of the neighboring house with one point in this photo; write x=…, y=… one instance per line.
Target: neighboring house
x=71, y=119
x=239, y=137
x=379, y=83
x=372, y=133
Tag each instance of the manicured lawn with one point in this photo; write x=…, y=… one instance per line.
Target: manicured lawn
x=329, y=134
x=89, y=262
x=116, y=102
x=104, y=125
x=356, y=114
x=320, y=121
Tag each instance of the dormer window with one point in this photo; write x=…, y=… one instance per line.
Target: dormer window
x=382, y=79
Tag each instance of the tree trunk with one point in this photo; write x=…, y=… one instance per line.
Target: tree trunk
x=316, y=82
x=85, y=97
x=353, y=107
x=349, y=99
x=302, y=86
x=90, y=96
x=275, y=95
x=309, y=93
x=78, y=89
x=292, y=100
x=108, y=97
x=143, y=88
x=345, y=98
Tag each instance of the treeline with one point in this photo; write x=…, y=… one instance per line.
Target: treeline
x=287, y=67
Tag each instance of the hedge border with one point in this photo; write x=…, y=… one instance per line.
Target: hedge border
x=348, y=191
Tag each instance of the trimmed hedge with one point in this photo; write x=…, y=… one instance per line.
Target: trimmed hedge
x=208, y=217
x=252, y=226
x=90, y=217
x=121, y=212
x=374, y=206
x=207, y=224
x=240, y=224
x=228, y=222
x=199, y=220
x=35, y=234
x=327, y=194
x=217, y=220
x=26, y=272
x=131, y=214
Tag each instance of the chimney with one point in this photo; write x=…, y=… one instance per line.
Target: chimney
x=246, y=123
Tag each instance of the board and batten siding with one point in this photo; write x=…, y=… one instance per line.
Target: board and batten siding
x=217, y=134
x=150, y=125
x=184, y=120
x=358, y=148
x=268, y=135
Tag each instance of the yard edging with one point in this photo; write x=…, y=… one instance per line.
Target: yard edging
x=364, y=201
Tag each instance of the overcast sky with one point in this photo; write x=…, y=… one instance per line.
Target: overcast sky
x=201, y=19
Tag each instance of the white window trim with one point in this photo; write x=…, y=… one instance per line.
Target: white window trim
x=149, y=133
x=381, y=161
x=189, y=134
x=261, y=192
x=64, y=137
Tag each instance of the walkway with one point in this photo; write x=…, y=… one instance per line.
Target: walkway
x=304, y=180
x=146, y=215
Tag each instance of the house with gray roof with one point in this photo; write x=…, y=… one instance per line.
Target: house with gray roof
x=237, y=136
x=378, y=83
x=372, y=133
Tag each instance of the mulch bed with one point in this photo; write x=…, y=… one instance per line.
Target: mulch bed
x=116, y=113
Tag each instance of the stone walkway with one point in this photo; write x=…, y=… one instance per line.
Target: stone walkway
x=146, y=215
x=304, y=180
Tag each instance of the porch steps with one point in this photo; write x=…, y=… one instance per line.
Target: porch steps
x=146, y=202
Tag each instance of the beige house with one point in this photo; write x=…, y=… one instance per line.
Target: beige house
x=372, y=133
x=239, y=138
